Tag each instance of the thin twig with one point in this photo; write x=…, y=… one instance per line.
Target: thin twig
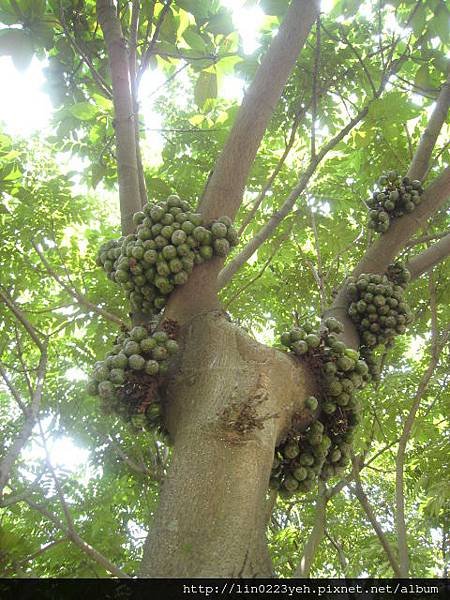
x=148, y=53
x=81, y=298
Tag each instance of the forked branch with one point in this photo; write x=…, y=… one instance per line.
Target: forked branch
x=421, y=160
x=429, y=258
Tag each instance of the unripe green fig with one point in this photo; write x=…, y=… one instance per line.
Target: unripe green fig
x=219, y=230
x=290, y=483
x=92, y=387
x=178, y=237
x=290, y=450
x=117, y=376
x=180, y=278
x=131, y=347
x=226, y=221
x=160, y=337
x=300, y=347
x=305, y=459
x=221, y=246
x=311, y=403
x=160, y=353
x=138, y=333
x=138, y=218
x=206, y=252
x=120, y=361
x=285, y=339
x=136, y=362
x=101, y=373
x=297, y=334
x=152, y=367
x=312, y=340
x=148, y=344
x=106, y=389
x=172, y=346
x=300, y=473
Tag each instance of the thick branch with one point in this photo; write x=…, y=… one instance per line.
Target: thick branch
x=134, y=26
x=129, y=192
x=387, y=246
x=315, y=537
x=422, y=156
x=224, y=191
x=223, y=195
x=384, y=250
x=430, y=257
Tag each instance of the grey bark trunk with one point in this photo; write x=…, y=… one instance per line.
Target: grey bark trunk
x=229, y=403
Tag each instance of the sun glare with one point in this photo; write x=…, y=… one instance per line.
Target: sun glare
x=24, y=107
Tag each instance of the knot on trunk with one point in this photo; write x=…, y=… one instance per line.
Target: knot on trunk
x=241, y=418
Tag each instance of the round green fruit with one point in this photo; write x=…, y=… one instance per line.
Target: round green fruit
x=290, y=450
x=219, y=230
x=221, y=246
x=106, y=389
x=311, y=403
x=92, y=387
x=138, y=333
x=136, y=362
x=312, y=340
x=300, y=347
x=117, y=376
x=131, y=347
x=290, y=483
x=101, y=373
x=172, y=346
x=300, y=473
x=152, y=367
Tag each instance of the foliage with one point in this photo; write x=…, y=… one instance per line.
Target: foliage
x=50, y=237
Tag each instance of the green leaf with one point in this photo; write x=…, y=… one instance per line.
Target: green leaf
x=158, y=188
x=275, y=8
x=84, y=111
x=422, y=78
x=97, y=173
x=205, y=88
x=441, y=24
x=221, y=23
x=17, y=44
x=194, y=40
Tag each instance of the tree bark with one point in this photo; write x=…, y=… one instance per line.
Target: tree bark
x=224, y=191
x=427, y=259
x=230, y=402
x=387, y=246
x=421, y=160
x=129, y=192
x=317, y=534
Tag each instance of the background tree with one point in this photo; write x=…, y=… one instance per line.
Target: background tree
x=332, y=101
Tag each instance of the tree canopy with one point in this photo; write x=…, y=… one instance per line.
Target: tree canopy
x=371, y=78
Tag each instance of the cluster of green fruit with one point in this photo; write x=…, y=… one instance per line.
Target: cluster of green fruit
x=128, y=378
x=378, y=308
x=168, y=242
x=396, y=196
x=323, y=450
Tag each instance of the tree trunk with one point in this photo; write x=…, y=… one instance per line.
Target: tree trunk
x=230, y=402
